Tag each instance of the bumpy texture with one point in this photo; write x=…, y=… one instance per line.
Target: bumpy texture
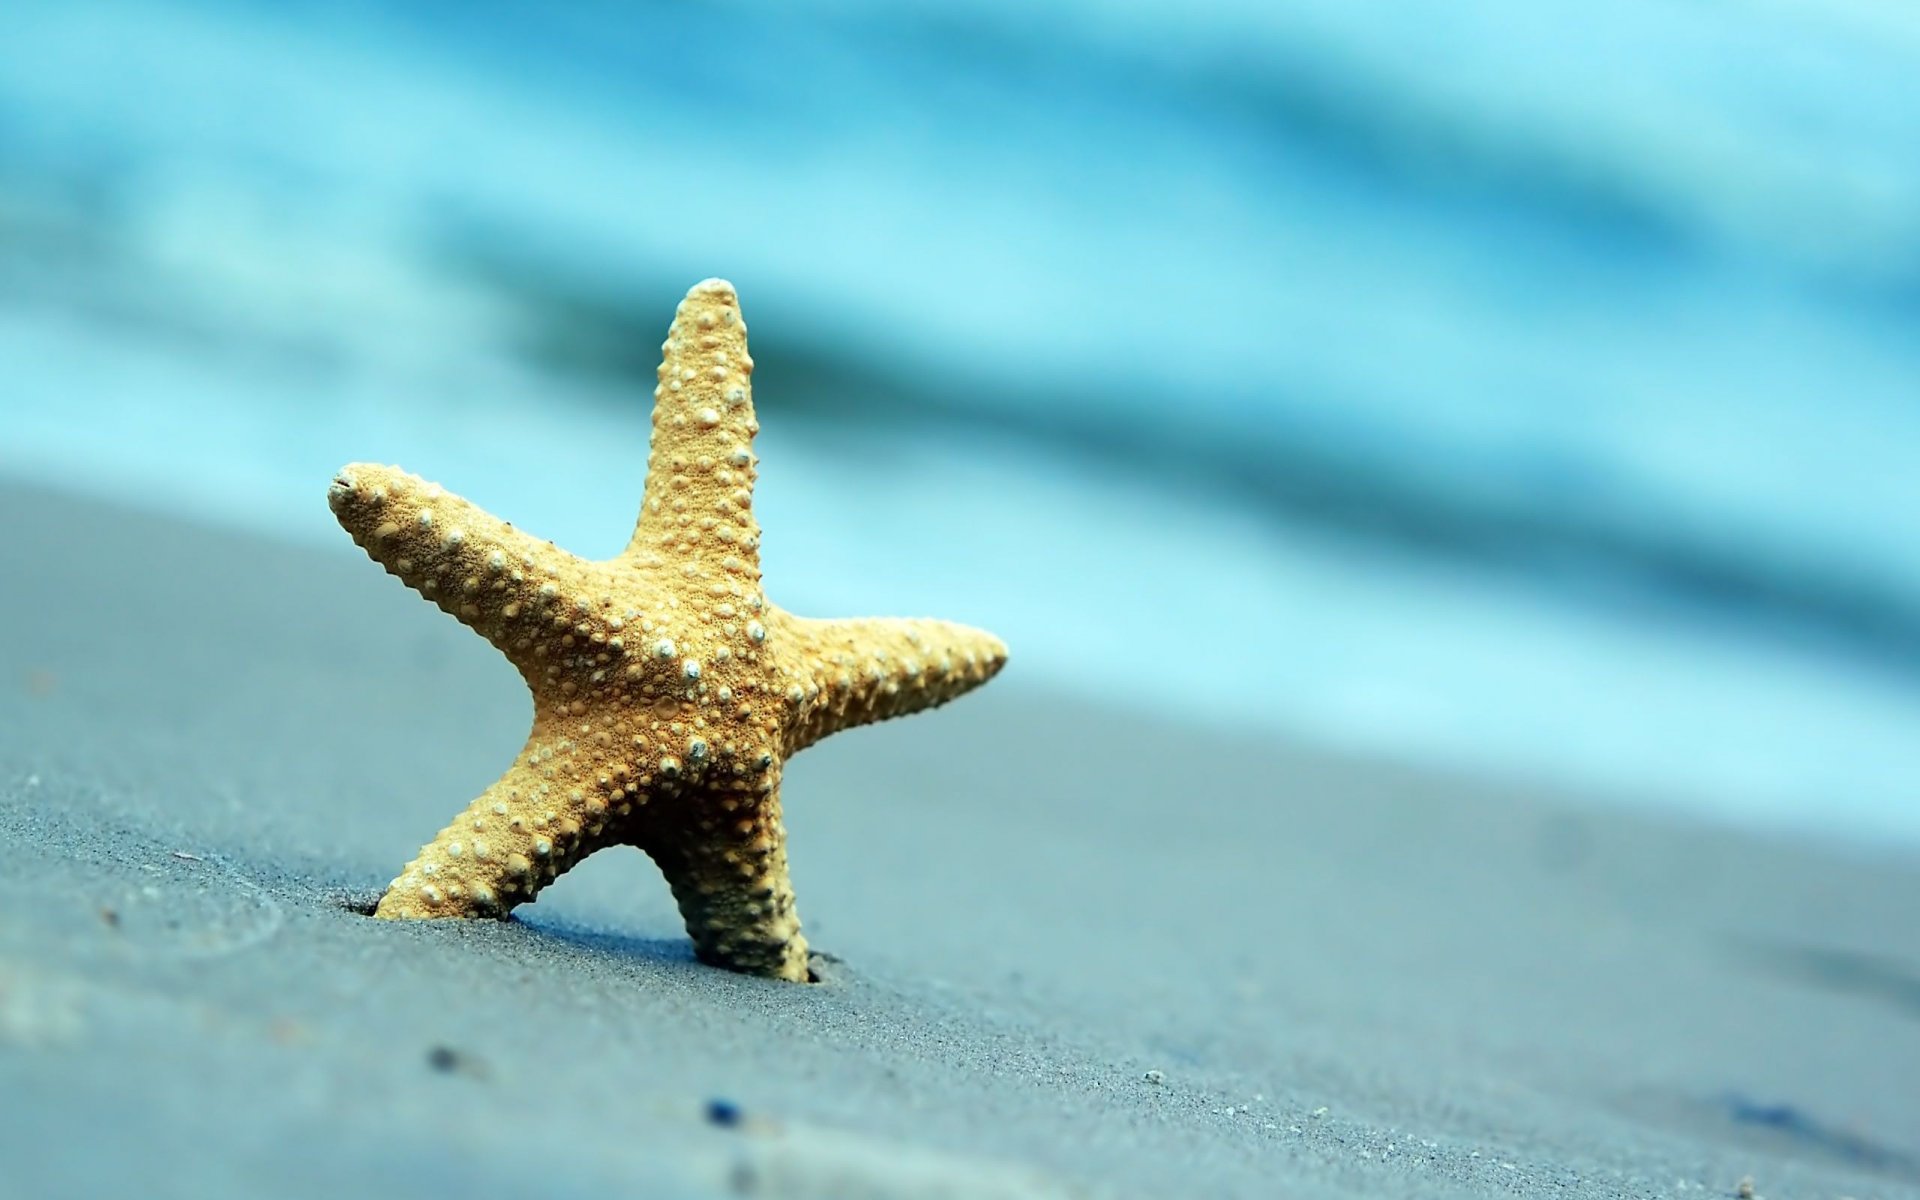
x=667, y=690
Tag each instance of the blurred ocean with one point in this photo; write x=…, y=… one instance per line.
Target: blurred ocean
x=1524, y=389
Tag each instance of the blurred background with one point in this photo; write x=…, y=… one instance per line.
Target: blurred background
x=1530, y=391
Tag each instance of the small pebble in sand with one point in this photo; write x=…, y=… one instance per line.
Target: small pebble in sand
x=449, y=1061
x=1321, y=1111
x=724, y=1113
x=1745, y=1190
x=1155, y=1077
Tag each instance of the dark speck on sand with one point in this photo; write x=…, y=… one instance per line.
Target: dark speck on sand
x=1073, y=952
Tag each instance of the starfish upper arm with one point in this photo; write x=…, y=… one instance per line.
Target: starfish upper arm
x=479, y=569
x=854, y=672
x=698, y=503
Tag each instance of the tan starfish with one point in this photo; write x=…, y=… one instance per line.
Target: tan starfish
x=667, y=690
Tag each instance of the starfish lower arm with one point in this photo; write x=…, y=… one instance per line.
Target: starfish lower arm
x=730, y=881
x=550, y=810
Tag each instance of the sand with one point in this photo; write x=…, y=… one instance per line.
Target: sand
x=1066, y=951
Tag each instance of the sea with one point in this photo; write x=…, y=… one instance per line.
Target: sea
x=1526, y=391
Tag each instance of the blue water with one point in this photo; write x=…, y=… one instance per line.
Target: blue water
x=1523, y=394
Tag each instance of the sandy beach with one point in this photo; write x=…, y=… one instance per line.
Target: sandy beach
x=1065, y=951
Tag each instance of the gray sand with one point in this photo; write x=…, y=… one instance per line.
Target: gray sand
x=1073, y=952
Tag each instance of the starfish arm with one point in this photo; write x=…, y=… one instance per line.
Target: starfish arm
x=497, y=580
x=698, y=505
x=547, y=812
x=855, y=672
x=728, y=872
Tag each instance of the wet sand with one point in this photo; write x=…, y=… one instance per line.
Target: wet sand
x=1065, y=950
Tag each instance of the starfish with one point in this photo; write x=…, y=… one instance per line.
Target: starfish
x=667, y=690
